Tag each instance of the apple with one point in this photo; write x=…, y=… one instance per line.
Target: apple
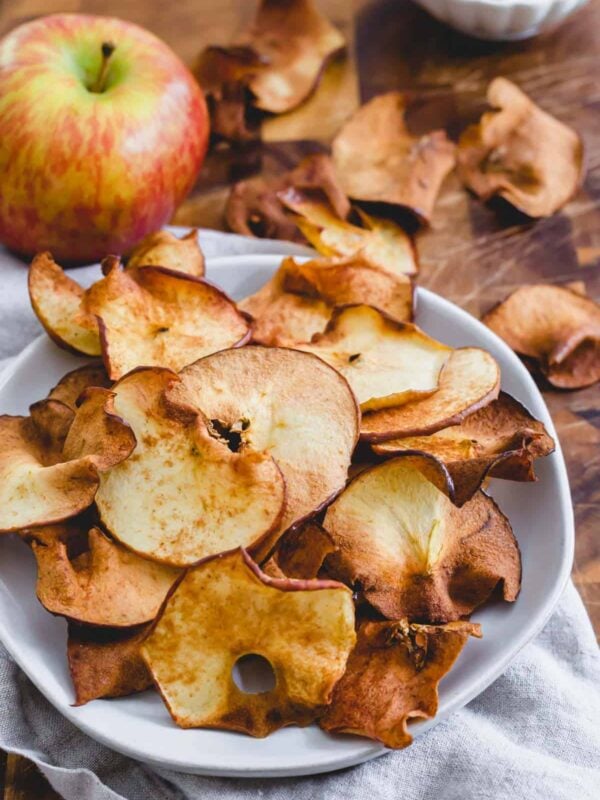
x=102, y=133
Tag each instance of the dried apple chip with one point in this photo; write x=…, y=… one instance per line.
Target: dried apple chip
x=164, y=249
x=226, y=608
x=558, y=327
x=107, y=585
x=412, y=553
x=392, y=677
x=378, y=160
x=386, y=363
x=521, y=153
x=301, y=552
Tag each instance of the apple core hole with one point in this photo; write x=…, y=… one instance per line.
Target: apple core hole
x=253, y=674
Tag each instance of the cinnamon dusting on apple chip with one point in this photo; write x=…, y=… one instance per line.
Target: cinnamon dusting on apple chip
x=164, y=249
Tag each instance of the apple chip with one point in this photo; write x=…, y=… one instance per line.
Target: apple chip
x=163, y=249
x=386, y=363
x=183, y=495
x=56, y=300
x=378, y=160
x=556, y=326
x=154, y=316
x=392, y=677
x=107, y=585
x=521, y=153
x=469, y=380
x=501, y=440
x=301, y=552
x=224, y=609
x=106, y=662
x=411, y=553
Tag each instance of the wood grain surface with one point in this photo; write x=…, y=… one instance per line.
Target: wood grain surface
x=472, y=254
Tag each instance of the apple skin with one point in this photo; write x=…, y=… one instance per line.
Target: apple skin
x=85, y=173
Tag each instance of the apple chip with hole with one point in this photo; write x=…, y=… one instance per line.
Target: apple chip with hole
x=556, y=326
x=57, y=301
x=151, y=316
x=164, y=249
x=392, y=677
x=106, y=585
x=501, y=440
x=226, y=608
x=411, y=552
x=521, y=153
x=378, y=160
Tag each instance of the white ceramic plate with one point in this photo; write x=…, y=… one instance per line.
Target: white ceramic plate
x=140, y=726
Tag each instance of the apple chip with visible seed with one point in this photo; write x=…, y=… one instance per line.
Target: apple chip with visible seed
x=469, y=380
x=226, y=608
x=412, y=553
x=521, y=153
x=301, y=552
x=386, y=363
x=378, y=160
x=558, y=327
x=151, y=316
x=57, y=302
x=107, y=585
x=501, y=440
x=392, y=677
x=164, y=249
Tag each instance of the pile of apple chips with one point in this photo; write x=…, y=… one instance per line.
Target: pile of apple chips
x=297, y=477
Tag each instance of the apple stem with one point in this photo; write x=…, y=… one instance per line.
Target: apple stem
x=108, y=48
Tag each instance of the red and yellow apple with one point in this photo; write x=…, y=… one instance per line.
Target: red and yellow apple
x=102, y=133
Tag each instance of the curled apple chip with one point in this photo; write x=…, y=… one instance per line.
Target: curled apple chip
x=378, y=160
x=412, y=553
x=301, y=551
x=105, y=662
x=226, y=608
x=521, y=153
x=386, y=363
x=501, y=440
x=106, y=585
x=57, y=302
x=469, y=380
x=164, y=249
x=154, y=316
x=392, y=677
x=558, y=327
x=183, y=494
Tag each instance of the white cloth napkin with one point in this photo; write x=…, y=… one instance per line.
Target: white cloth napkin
x=534, y=734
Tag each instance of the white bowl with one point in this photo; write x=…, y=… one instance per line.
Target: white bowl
x=140, y=726
x=501, y=19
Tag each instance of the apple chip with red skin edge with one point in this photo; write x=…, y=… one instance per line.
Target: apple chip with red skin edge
x=558, y=327
x=386, y=363
x=392, y=677
x=231, y=499
x=300, y=552
x=151, y=316
x=411, y=552
x=225, y=608
x=521, y=153
x=378, y=160
x=106, y=586
x=164, y=249
x=57, y=302
x=469, y=380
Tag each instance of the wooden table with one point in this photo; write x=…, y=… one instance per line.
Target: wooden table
x=471, y=255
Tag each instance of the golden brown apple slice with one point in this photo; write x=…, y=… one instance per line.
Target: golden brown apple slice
x=106, y=585
x=164, y=249
x=153, y=316
x=392, y=677
x=183, y=494
x=555, y=325
x=469, y=380
x=412, y=553
x=521, y=153
x=56, y=300
x=225, y=608
x=386, y=363
x=290, y=405
x=301, y=552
